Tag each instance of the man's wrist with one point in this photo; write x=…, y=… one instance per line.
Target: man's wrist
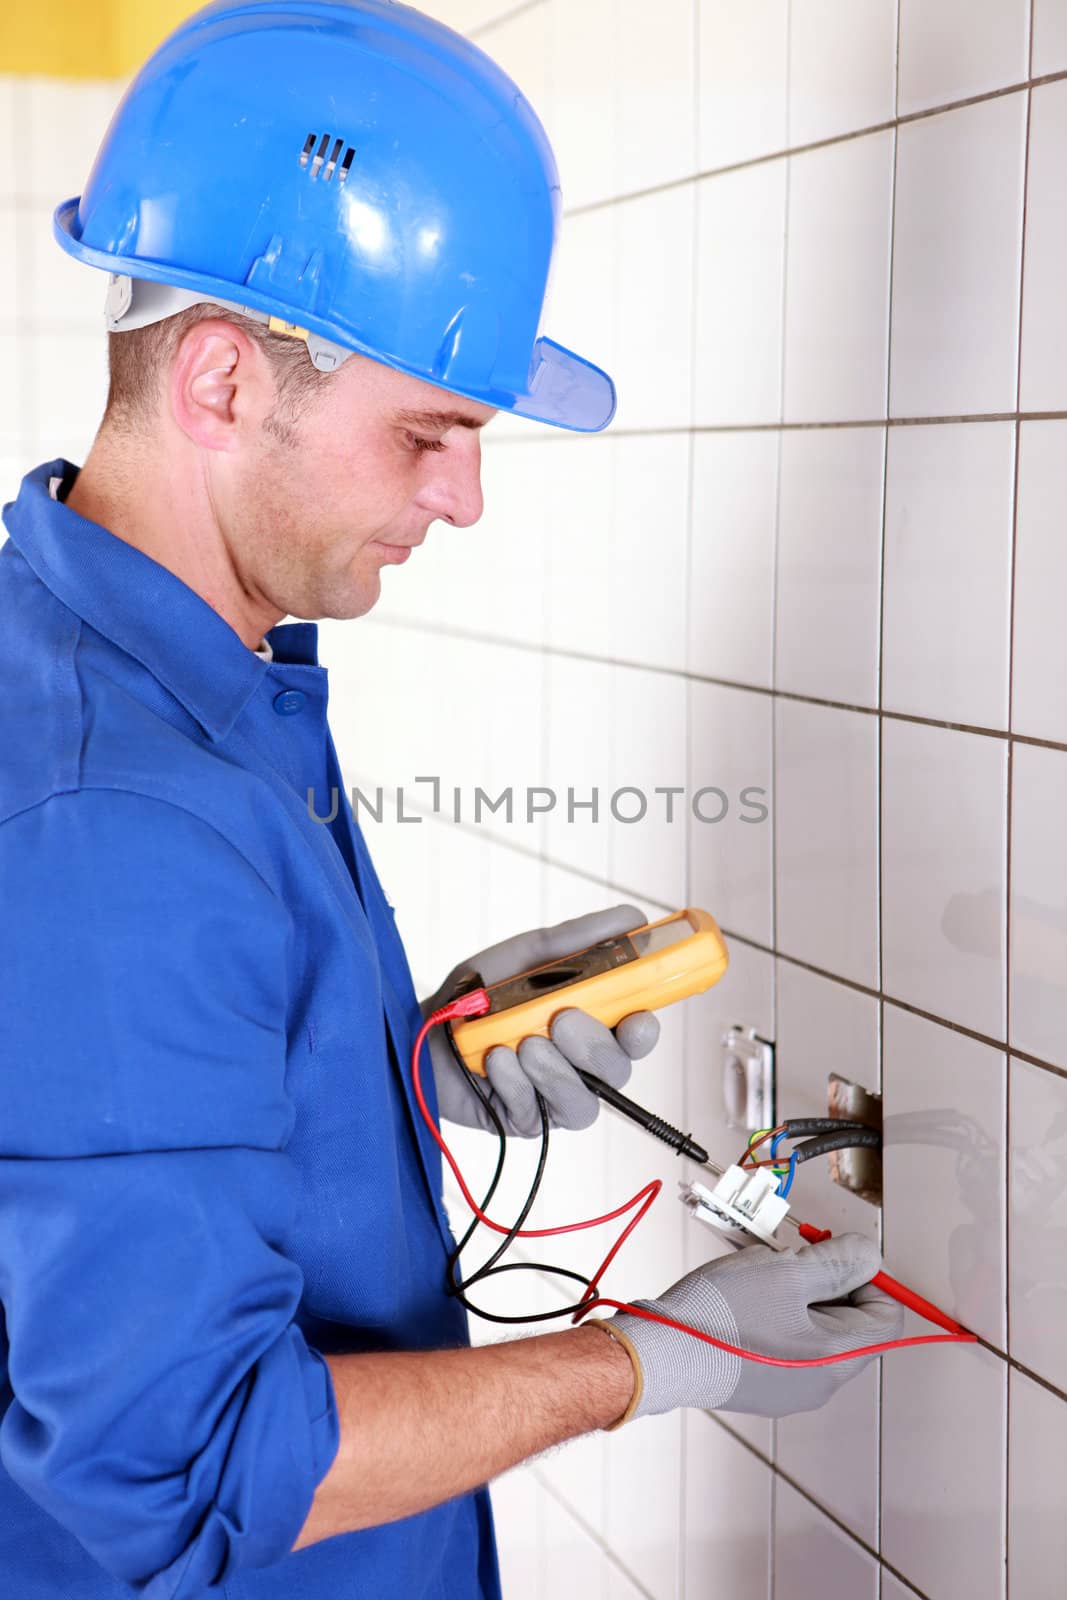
x=627, y=1374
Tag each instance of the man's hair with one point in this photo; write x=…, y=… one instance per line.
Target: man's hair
x=139, y=359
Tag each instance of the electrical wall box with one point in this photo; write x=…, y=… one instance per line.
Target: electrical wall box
x=747, y=1079
x=857, y=1170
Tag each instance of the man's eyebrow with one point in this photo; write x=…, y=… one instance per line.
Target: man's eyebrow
x=438, y=419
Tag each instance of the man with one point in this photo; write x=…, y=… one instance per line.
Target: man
x=232, y=1363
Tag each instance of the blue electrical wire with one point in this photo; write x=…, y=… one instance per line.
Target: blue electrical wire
x=786, y=1183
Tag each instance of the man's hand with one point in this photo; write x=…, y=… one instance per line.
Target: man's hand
x=810, y=1300
x=544, y=1066
x=419, y=1427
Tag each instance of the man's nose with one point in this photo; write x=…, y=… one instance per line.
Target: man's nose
x=454, y=492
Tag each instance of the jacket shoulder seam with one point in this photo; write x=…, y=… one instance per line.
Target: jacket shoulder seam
x=143, y=794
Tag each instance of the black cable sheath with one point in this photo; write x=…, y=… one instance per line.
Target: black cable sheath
x=797, y=1127
x=488, y=1267
x=846, y=1139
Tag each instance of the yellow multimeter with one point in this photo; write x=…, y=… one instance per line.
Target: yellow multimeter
x=643, y=970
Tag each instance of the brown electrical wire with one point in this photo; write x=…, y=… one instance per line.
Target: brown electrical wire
x=749, y=1156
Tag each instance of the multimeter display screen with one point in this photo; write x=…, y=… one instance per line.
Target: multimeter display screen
x=603, y=957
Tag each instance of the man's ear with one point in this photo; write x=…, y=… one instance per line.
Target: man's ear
x=218, y=383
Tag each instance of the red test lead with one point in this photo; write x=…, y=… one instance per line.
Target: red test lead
x=475, y=1004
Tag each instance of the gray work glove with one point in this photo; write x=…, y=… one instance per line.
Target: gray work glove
x=809, y=1300
x=545, y=1065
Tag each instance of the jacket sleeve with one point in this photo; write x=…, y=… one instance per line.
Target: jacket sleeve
x=167, y=1410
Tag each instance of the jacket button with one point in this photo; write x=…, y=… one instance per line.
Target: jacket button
x=289, y=702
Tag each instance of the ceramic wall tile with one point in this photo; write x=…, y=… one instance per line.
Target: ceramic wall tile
x=1038, y=921
x=1043, y=386
x=743, y=67
x=645, y=823
x=519, y=1518
x=727, y=1515
x=654, y=340
x=826, y=838
x=1037, y=1532
x=837, y=281
x=944, y=838
x=731, y=594
x=1037, y=1217
x=579, y=762
x=954, y=49
x=956, y=261
x=832, y=1453
x=655, y=140
x=520, y=43
x=842, y=69
x=15, y=223
x=65, y=416
x=644, y=1493
x=943, y=1168
x=731, y=833
x=11, y=93
x=949, y=508
x=1050, y=36
x=61, y=124
x=575, y=505
x=648, y=591
x=1039, y=646
x=943, y=1469
x=829, y=573
x=583, y=119
x=570, y=1556
x=740, y=262
x=813, y=1556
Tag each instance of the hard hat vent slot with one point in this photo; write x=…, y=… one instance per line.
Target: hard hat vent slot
x=316, y=161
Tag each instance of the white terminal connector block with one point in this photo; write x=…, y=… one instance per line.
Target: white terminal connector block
x=746, y=1200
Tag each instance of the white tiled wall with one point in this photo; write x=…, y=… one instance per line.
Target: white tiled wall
x=53, y=363
x=819, y=553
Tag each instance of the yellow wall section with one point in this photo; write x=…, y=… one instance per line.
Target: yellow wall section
x=84, y=38
x=139, y=25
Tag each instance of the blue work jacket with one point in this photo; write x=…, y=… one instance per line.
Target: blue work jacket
x=212, y=1166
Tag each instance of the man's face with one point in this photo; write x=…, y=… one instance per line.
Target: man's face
x=317, y=506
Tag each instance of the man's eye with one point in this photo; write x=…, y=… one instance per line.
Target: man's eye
x=418, y=443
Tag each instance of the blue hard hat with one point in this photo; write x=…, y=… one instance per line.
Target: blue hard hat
x=357, y=171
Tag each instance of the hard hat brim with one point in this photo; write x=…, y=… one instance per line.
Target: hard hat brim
x=564, y=391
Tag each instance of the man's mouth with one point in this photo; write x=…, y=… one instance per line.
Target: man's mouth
x=396, y=552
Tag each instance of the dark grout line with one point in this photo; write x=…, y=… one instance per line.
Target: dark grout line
x=587, y=1528
x=476, y=636
x=1028, y=1372
x=1005, y=1241
x=1038, y=1061
x=639, y=895
x=880, y=1409
x=880, y=752
x=887, y=999
x=505, y=440
x=850, y=1533
x=517, y=10
x=786, y=1477
x=702, y=174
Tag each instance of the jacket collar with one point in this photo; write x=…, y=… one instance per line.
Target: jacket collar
x=143, y=607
